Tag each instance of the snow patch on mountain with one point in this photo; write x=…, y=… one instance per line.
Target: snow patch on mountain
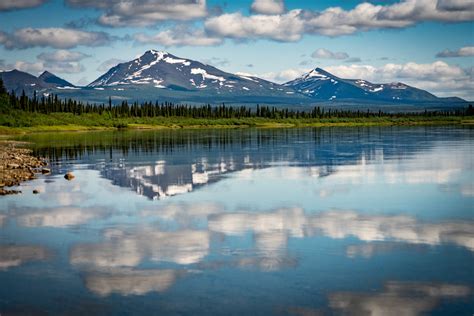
x=205, y=75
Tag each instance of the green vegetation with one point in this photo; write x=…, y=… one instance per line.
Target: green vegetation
x=23, y=114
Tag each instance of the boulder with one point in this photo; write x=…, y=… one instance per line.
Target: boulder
x=69, y=176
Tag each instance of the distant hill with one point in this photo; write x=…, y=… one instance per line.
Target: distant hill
x=19, y=81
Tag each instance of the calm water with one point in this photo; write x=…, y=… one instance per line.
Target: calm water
x=332, y=221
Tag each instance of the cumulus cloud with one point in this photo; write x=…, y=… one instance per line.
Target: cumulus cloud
x=62, y=56
x=336, y=21
x=62, y=38
x=455, y=5
x=467, y=51
x=287, y=27
x=121, y=13
x=179, y=36
x=7, y=5
x=284, y=75
x=438, y=77
x=109, y=63
x=268, y=6
x=327, y=54
x=40, y=66
x=31, y=67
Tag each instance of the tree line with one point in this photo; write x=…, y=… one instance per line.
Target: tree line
x=52, y=103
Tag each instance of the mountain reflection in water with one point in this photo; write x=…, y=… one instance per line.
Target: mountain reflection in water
x=330, y=221
x=165, y=163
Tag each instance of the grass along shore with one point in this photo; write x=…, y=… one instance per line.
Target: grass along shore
x=20, y=122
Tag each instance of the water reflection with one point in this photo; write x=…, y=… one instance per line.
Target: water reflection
x=398, y=298
x=131, y=282
x=166, y=163
x=123, y=248
x=298, y=221
x=342, y=224
x=58, y=217
x=16, y=255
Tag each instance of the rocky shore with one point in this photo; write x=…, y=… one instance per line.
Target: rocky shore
x=17, y=164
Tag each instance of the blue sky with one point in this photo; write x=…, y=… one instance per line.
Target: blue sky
x=426, y=43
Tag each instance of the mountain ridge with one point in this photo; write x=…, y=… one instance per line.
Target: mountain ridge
x=159, y=75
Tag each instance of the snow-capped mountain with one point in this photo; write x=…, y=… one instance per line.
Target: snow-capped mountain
x=322, y=86
x=160, y=70
x=161, y=76
x=20, y=81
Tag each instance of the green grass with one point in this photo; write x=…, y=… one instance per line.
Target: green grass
x=18, y=122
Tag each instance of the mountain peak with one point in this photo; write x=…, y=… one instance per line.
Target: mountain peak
x=51, y=78
x=46, y=74
x=318, y=73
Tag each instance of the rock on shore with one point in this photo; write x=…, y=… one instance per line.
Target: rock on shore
x=17, y=165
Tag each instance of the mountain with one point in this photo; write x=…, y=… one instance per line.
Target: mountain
x=161, y=76
x=158, y=74
x=320, y=85
x=50, y=78
x=20, y=81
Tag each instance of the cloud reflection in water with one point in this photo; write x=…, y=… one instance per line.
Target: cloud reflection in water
x=128, y=249
x=131, y=282
x=398, y=298
x=13, y=255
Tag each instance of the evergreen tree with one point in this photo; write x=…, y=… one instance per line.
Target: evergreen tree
x=3, y=90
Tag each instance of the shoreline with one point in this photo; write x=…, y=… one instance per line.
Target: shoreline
x=18, y=165
x=12, y=131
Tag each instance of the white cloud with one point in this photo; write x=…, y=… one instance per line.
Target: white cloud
x=467, y=51
x=455, y=5
x=109, y=63
x=284, y=75
x=120, y=13
x=336, y=21
x=287, y=27
x=327, y=54
x=268, y=6
x=7, y=5
x=53, y=37
x=84, y=81
x=179, y=36
x=62, y=56
x=25, y=66
x=60, y=61
x=438, y=77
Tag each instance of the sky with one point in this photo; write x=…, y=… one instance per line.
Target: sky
x=425, y=43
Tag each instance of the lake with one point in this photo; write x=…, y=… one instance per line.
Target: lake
x=329, y=221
